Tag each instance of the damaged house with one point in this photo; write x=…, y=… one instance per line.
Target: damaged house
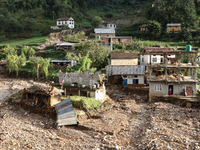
x=85, y=84
x=41, y=100
x=178, y=78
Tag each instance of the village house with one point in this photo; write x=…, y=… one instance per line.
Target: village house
x=109, y=25
x=174, y=27
x=143, y=27
x=120, y=39
x=104, y=32
x=123, y=67
x=127, y=75
x=178, y=79
x=64, y=46
x=118, y=58
x=66, y=21
x=85, y=84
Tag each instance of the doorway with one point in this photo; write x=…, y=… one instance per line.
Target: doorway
x=171, y=89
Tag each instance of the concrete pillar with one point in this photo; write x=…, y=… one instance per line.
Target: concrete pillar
x=179, y=75
x=79, y=92
x=150, y=74
x=165, y=74
x=195, y=75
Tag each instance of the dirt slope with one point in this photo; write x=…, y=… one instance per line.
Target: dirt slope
x=132, y=123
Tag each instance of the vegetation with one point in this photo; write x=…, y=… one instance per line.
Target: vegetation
x=96, y=22
x=83, y=102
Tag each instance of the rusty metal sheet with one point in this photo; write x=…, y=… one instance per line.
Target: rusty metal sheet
x=65, y=113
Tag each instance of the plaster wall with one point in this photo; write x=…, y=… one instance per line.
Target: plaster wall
x=124, y=61
x=177, y=88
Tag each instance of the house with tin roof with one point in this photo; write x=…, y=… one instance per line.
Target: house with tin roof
x=104, y=32
x=143, y=27
x=65, y=21
x=120, y=39
x=174, y=27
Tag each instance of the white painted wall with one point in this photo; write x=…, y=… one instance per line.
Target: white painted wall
x=139, y=77
x=147, y=58
x=69, y=23
x=99, y=95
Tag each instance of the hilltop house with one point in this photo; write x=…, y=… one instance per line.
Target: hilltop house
x=178, y=79
x=104, y=32
x=109, y=25
x=118, y=58
x=174, y=27
x=143, y=27
x=66, y=21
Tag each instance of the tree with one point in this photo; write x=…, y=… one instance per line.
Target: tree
x=154, y=28
x=27, y=51
x=40, y=63
x=96, y=22
x=14, y=62
x=9, y=50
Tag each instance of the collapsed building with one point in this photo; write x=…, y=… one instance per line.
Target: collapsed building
x=85, y=84
x=41, y=100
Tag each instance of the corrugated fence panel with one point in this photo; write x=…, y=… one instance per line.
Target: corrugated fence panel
x=65, y=113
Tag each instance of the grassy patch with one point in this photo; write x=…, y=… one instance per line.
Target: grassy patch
x=34, y=40
x=82, y=102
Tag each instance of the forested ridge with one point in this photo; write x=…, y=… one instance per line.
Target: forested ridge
x=31, y=16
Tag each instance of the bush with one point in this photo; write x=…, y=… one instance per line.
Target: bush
x=82, y=102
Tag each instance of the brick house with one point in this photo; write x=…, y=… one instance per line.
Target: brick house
x=120, y=39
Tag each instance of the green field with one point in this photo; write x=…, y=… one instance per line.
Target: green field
x=34, y=40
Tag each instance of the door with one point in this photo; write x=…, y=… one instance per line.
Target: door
x=135, y=81
x=189, y=91
x=124, y=82
x=170, y=89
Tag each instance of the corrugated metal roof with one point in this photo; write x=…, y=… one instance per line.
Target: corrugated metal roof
x=65, y=113
x=60, y=61
x=104, y=30
x=118, y=55
x=173, y=24
x=119, y=37
x=125, y=70
x=65, y=44
x=144, y=25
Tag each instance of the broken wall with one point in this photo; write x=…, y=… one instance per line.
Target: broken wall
x=84, y=78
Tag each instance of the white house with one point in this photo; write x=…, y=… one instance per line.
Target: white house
x=66, y=21
x=109, y=25
x=146, y=58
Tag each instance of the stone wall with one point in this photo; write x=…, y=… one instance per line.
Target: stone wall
x=86, y=78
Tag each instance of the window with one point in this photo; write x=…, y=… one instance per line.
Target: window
x=114, y=25
x=111, y=25
x=155, y=59
x=157, y=87
x=142, y=59
x=135, y=76
x=161, y=60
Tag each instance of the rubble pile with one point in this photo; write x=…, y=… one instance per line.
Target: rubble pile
x=40, y=100
x=132, y=123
